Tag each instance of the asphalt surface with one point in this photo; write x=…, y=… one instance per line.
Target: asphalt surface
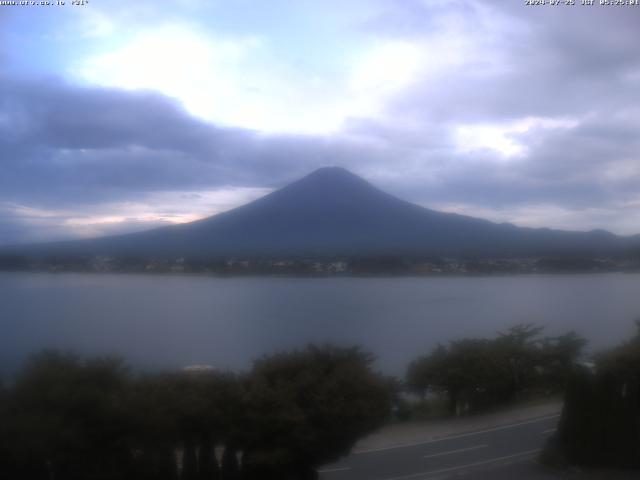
x=502, y=452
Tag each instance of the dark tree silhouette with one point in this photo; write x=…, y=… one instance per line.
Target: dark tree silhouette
x=66, y=419
x=476, y=374
x=208, y=468
x=75, y=419
x=600, y=423
x=308, y=407
x=230, y=468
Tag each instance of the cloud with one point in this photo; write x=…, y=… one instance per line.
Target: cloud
x=490, y=108
x=554, y=216
x=553, y=63
x=207, y=75
x=84, y=160
x=503, y=138
x=23, y=223
x=243, y=81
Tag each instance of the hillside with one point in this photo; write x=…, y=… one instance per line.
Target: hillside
x=334, y=212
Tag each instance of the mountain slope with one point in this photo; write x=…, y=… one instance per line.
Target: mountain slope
x=334, y=212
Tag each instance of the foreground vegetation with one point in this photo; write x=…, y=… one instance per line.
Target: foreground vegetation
x=67, y=417
x=600, y=424
x=75, y=419
x=479, y=374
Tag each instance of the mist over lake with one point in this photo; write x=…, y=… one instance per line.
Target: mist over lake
x=173, y=321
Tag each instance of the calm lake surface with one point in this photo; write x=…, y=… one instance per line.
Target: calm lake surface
x=172, y=321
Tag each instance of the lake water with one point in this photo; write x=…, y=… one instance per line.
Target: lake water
x=172, y=321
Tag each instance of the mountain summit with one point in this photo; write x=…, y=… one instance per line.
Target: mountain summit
x=332, y=212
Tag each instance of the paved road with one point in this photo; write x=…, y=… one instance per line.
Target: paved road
x=504, y=452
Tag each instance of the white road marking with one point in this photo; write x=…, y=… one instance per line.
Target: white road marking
x=331, y=470
x=451, y=452
x=551, y=430
x=468, y=465
x=453, y=437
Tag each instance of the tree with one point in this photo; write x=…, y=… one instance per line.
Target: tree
x=476, y=374
x=559, y=356
x=230, y=469
x=188, y=411
x=66, y=419
x=208, y=468
x=600, y=423
x=76, y=419
x=472, y=373
x=5, y=456
x=307, y=408
x=152, y=404
x=427, y=373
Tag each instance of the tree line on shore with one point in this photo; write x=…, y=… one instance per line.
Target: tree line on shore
x=321, y=265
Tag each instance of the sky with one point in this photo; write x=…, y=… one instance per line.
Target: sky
x=119, y=116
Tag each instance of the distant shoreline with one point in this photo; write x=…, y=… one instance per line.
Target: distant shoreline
x=322, y=275
x=316, y=266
